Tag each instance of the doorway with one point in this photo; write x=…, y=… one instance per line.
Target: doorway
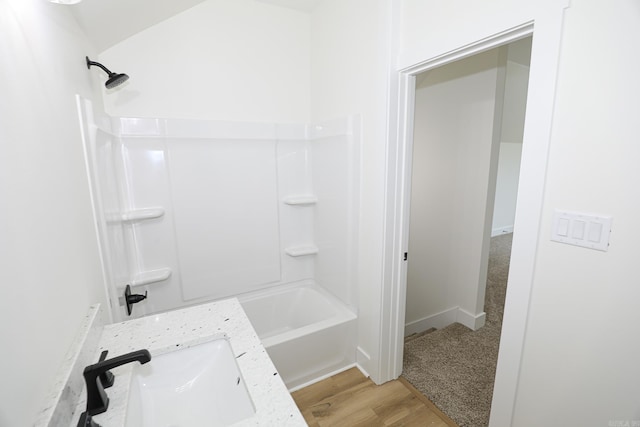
x=540, y=102
x=468, y=129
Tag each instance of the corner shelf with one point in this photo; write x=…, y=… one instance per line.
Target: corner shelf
x=296, y=251
x=151, y=276
x=142, y=214
x=304, y=200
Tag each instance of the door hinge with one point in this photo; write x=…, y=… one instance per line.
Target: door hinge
x=406, y=255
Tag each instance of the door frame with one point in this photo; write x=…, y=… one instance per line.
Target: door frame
x=547, y=32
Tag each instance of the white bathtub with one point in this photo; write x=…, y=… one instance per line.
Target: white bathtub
x=308, y=333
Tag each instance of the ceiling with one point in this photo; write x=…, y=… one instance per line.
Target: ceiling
x=108, y=22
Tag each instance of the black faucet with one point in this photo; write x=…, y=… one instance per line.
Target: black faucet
x=86, y=421
x=97, y=400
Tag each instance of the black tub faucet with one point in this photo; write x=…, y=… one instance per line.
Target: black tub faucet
x=97, y=400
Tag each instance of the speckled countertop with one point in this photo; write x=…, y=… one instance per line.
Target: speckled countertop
x=173, y=330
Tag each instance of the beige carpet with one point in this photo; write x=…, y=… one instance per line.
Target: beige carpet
x=455, y=366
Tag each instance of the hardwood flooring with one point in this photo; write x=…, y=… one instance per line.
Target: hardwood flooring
x=349, y=399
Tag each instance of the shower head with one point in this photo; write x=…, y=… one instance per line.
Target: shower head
x=114, y=79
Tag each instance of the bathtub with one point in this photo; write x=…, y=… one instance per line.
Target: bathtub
x=308, y=333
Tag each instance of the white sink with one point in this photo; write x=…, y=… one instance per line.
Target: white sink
x=199, y=385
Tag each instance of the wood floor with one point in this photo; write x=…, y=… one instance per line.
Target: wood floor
x=350, y=399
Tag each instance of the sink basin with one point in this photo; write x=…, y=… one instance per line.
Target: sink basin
x=199, y=385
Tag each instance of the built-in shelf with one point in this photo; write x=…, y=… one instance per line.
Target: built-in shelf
x=296, y=251
x=142, y=214
x=301, y=200
x=151, y=276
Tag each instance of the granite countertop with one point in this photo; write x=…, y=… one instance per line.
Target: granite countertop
x=187, y=327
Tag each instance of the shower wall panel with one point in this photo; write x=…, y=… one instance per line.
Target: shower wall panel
x=225, y=202
x=335, y=176
x=294, y=180
x=117, y=256
x=152, y=240
x=219, y=186
x=192, y=211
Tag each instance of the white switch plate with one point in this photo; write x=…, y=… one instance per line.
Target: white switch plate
x=581, y=229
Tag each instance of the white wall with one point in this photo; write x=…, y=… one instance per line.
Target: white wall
x=579, y=364
x=515, y=102
x=426, y=28
x=49, y=265
x=238, y=60
x=349, y=67
x=584, y=319
x=452, y=154
x=504, y=208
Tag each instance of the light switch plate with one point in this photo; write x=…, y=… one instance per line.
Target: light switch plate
x=581, y=229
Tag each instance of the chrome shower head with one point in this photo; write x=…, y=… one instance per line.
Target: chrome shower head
x=114, y=79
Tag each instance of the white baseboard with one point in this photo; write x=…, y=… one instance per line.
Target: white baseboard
x=502, y=230
x=473, y=322
x=363, y=361
x=438, y=321
x=364, y=371
x=444, y=319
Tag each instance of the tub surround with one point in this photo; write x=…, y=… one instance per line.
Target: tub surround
x=285, y=196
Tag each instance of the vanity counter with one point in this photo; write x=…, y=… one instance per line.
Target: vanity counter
x=187, y=327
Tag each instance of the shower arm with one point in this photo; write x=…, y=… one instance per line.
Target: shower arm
x=90, y=63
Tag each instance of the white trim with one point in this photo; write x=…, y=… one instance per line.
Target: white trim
x=502, y=230
x=471, y=321
x=544, y=65
x=390, y=321
x=499, y=39
x=545, y=56
x=362, y=358
x=396, y=231
x=438, y=321
x=444, y=319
